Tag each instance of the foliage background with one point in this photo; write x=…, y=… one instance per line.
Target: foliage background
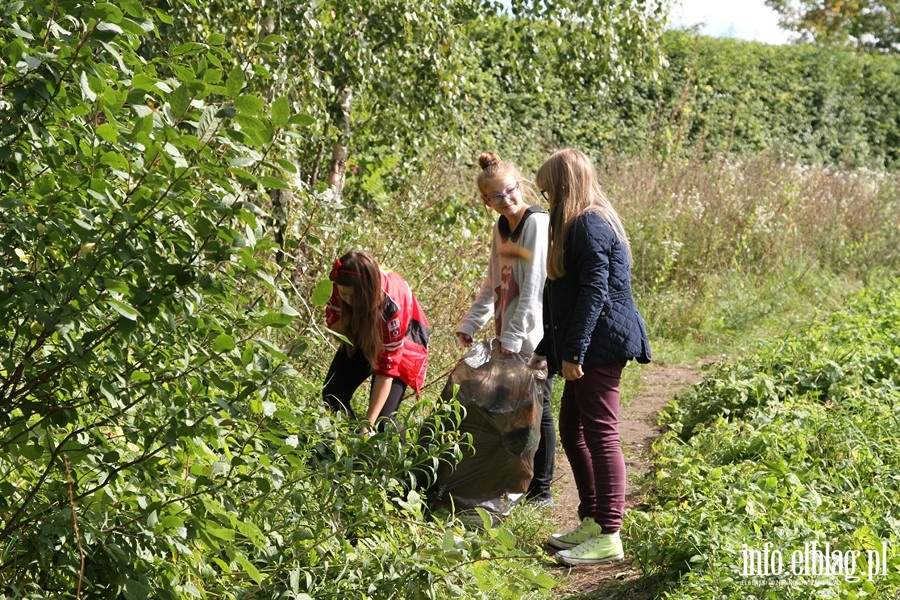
x=161, y=433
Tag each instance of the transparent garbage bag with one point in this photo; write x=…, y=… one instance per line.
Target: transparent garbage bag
x=502, y=397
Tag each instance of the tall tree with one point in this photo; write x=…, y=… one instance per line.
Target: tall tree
x=867, y=24
x=406, y=77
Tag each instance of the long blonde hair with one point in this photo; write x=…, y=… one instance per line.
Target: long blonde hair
x=570, y=182
x=360, y=270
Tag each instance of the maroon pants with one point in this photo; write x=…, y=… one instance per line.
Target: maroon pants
x=589, y=429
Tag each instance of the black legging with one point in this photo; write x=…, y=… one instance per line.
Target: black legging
x=545, y=457
x=344, y=377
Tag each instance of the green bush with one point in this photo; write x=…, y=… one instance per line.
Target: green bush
x=820, y=105
x=792, y=445
x=156, y=437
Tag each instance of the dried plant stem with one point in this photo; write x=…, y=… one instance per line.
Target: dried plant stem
x=71, y=483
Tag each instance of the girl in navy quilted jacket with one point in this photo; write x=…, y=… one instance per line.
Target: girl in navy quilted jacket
x=376, y=310
x=591, y=329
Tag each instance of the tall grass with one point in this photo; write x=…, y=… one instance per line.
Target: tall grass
x=726, y=247
x=723, y=250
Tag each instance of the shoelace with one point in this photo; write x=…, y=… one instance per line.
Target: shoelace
x=595, y=544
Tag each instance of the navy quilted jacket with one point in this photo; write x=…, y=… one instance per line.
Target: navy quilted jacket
x=589, y=315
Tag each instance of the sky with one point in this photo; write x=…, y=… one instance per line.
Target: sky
x=742, y=19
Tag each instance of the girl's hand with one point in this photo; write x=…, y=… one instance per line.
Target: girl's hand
x=571, y=371
x=464, y=339
x=538, y=362
x=505, y=351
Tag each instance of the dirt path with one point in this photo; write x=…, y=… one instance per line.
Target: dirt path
x=637, y=426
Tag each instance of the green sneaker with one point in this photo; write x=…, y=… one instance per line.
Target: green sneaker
x=607, y=547
x=586, y=530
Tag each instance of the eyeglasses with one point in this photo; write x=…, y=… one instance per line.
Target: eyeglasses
x=507, y=193
x=544, y=194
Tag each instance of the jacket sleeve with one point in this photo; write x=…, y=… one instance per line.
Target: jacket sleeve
x=483, y=306
x=590, y=263
x=519, y=326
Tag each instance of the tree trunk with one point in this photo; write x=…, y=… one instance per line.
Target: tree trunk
x=339, y=151
x=281, y=206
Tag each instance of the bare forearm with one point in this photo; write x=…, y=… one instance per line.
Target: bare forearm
x=381, y=389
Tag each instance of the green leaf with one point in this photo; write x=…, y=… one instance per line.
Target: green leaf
x=223, y=343
x=281, y=112
x=13, y=8
x=544, y=580
x=109, y=28
x=252, y=571
x=273, y=350
x=132, y=8
x=243, y=161
x=179, y=100
x=33, y=62
x=220, y=532
x=235, y=82
x=252, y=533
x=187, y=49
x=322, y=293
x=260, y=132
x=244, y=176
x=114, y=160
x=301, y=119
x=273, y=183
x=124, y=309
x=286, y=165
x=86, y=90
x=135, y=590
x=171, y=522
x=45, y=185
x=209, y=124
x=247, y=355
x=289, y=310
x=106, y=11
x=139, y=376
x=276, y=319
x=163, y=17
x=107, y=133
x=249, y=105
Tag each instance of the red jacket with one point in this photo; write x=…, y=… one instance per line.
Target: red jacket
x=404, y=331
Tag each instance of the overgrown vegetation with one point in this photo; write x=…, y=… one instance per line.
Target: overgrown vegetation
x=156, y=439
x=790, y=446
x=161, y=430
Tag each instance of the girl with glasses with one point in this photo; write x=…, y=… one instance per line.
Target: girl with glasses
x=511, y=290
x=375, y=309
x=592, y=327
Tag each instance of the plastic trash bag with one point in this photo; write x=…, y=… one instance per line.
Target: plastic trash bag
x=502, y=397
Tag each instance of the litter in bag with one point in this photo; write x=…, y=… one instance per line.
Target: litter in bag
x=502, y=398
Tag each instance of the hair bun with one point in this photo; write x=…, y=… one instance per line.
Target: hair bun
x=487, y=160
